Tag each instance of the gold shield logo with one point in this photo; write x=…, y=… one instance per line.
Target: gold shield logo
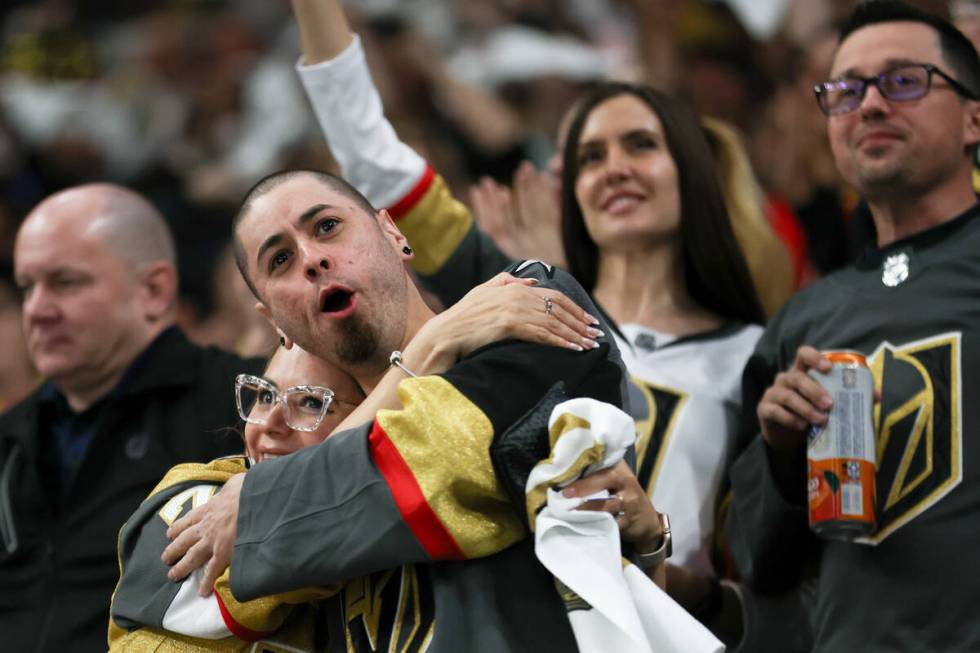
x=655, y=409
x=917, y=426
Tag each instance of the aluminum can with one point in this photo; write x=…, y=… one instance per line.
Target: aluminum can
x=841, y=459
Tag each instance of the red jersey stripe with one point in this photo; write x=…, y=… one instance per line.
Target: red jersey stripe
x=415, y=510
x=407, y=203
x=241, y=632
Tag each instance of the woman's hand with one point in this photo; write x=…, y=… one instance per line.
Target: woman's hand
x=524, y=220
x=503, y=308
x=638, y=520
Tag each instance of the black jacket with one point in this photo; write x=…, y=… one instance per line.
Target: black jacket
x=58, y=566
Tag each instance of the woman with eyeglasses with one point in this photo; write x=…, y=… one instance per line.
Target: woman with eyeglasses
x=297, y=402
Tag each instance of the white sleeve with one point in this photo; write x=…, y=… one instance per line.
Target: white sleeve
x=350, y=113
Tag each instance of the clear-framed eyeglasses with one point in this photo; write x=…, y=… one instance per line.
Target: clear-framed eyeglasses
x=303, y=406
x=900, y=84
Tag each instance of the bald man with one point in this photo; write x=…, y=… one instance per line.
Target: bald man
x=126, y=397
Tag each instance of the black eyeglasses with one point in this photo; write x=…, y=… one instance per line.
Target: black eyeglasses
x=901, y=84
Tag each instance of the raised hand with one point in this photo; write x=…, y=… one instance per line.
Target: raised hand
x=525, y=220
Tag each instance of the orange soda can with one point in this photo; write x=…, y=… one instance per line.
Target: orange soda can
x=841, y=455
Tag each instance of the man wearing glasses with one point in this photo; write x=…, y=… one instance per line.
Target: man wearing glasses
x=904, y=122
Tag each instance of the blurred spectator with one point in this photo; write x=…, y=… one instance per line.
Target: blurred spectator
x=17, y=375
x=134, y=94
x=126, y=397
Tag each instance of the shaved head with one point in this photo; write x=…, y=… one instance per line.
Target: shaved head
x=128, y=225
x=268, y=183
x=95, y=265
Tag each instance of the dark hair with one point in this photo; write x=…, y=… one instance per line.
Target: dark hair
x=957, y=50
x=715, y=270
x=269, y=182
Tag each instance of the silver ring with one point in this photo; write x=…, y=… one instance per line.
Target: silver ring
x=622, y=504
x=549, y=305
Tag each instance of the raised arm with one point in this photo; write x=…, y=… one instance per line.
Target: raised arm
x=451, y=255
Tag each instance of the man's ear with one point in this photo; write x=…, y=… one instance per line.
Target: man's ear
x=158, y=290
x=263, y=310
x=391, y=232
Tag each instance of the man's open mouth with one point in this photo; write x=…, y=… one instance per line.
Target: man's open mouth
x=336, y=300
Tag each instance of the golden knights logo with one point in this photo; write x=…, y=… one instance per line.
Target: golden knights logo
x=389, y=611
x=655, y=409
x=918, y=428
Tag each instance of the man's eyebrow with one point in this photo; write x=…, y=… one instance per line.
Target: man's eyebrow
x=269, y=243
x=308, y=214
x=303, y=218
x=65, y=270
x=889, y=65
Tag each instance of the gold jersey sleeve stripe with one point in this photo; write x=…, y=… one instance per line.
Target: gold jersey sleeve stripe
x=444, y=440
x=435, y=226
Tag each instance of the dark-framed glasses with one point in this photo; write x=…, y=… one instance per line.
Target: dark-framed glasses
x=900, y=84
x=303, y=406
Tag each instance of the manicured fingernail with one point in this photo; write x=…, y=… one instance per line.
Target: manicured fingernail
x=596, y=333
x=590, y=319
x=590, y=344
x=574, y=346
x=568, y=492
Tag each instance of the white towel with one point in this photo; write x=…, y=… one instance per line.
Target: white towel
x=613, y=605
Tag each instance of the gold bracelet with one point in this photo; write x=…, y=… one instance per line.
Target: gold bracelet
x=396, y=360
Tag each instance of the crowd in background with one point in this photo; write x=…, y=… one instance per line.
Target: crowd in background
x=190, y=102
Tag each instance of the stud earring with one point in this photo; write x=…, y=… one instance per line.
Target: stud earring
x=407, y=250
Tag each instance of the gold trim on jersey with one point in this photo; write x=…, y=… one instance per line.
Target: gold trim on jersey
x=296, y=637
x=917, y=430
x=216, y=471
x=364, y=599
x=410, y=607
x=646, y=428
x=445, y=438
x=197, y=495
x=441, y=222
x=267, y=613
